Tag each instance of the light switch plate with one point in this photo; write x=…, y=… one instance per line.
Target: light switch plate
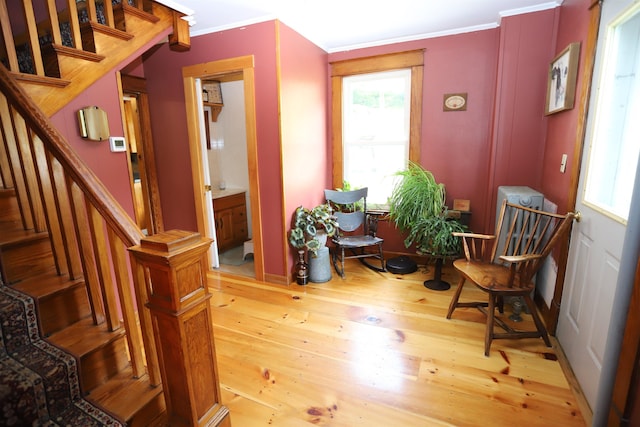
x=563, y=163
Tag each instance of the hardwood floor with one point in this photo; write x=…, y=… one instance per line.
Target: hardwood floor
x=375, y=349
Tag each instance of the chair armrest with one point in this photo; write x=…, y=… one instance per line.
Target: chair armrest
x=520, y=263
x=474, y=235
x=519, y=258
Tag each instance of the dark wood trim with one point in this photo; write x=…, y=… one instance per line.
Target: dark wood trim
x=138, y=87
x=551, y=319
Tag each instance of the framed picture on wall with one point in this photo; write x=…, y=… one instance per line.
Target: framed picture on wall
x=561, y=81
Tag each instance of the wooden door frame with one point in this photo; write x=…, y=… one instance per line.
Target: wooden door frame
x=552, y=315
x=244, y=66
x=138, y=86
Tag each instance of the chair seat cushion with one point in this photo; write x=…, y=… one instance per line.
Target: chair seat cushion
x=491, y=277
x=357, y=241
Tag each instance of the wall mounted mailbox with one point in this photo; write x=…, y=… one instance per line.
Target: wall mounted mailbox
x=93, y=123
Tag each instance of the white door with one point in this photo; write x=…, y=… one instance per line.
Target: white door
x=605, y=189
x=214, y=261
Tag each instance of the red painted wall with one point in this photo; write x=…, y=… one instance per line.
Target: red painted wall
x=163, y=71
x=473, y=151
x=306, y=167
x=111, y=168
x=561, y=127
x=519, y=127
x=454, y=145
x=303, y=102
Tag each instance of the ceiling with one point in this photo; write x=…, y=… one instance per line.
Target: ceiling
x=337, y=25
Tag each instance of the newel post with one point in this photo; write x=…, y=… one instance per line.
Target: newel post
x=175, y=264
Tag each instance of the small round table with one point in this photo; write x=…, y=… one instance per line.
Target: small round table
x=437, y=284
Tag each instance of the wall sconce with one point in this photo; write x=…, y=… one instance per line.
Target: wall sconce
x=93, y=123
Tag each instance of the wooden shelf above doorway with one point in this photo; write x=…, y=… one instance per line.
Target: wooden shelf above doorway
x=215, y=110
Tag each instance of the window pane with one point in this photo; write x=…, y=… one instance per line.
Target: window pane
x=616, y=139
x=376, y=109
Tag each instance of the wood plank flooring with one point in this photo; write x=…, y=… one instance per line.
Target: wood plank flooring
x=375, y=349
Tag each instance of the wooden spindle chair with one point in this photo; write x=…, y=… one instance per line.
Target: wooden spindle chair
x=504, y=265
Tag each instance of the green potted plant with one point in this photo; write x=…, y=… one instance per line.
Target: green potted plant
x=311, y=227
x=417, y=206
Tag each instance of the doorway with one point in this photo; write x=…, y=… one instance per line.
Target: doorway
x=207, y=191
x=227, y=161
x=140, y=154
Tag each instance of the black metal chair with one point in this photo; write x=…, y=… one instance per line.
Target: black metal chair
x=351, y=210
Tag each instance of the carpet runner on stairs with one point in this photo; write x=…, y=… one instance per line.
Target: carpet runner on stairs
x=39, y=383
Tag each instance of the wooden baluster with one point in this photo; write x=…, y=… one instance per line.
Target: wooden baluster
x=14, y=159
x=141, y=282
x=129, y=317
x=180, y=306
x=40, y=158
x=32, y=28
x=53, y=19
x=108, y=13
x=7, y=35
x=75, y=24
x=23, y=138
x=58, y=178
x=5, y=167
x=100, y=243
x=88, y=258
x=91, y=10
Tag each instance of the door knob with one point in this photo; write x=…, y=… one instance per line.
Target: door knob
x=577, y=216
x=207, y=188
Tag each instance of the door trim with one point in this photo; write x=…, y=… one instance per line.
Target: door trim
x=137, y=86
x=553, y=314
x=245, y=66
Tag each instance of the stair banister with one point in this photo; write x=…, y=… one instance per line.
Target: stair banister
x=81, y=206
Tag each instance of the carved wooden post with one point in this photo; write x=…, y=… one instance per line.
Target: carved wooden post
x=175, y=264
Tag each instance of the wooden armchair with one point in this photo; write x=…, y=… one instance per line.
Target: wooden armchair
x=504, y=265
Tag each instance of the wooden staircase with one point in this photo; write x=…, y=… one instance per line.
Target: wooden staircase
x=63, y=238
x=61, y=52
x=66, y=320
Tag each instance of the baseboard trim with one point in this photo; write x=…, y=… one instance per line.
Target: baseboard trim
x=583, y=405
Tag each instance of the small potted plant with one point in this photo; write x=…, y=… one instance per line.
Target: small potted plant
x=312, y=227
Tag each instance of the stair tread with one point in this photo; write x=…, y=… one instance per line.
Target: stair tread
x=10, y=235
x=46, y=284
x=115, y=394
x=84, y=337
x=7, y=192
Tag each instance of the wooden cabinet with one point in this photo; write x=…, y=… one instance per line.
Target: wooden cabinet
x=230, y=214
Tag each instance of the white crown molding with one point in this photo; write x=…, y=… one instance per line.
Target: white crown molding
x=235, y=25
x=188, y=13
x=536, y=8
x=416, y=37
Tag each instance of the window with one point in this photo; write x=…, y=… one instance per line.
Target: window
x=615, y=142
x=375, y=130
x=376, y=121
